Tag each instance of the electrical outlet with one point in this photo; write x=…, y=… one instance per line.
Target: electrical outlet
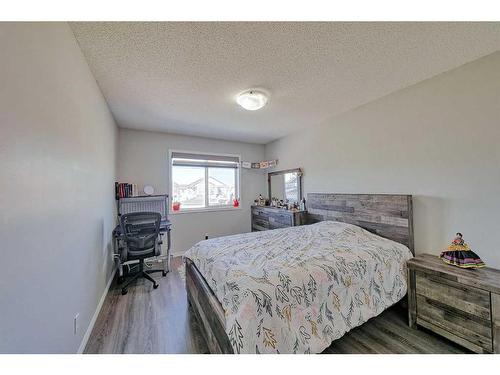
x=75, y=324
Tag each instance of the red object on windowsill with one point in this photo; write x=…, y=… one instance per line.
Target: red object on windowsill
x=236, y=203
x=176, y=206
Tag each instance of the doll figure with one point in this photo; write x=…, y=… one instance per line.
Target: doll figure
x=459, y=254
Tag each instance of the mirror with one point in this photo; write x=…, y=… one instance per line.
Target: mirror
x=284, y=185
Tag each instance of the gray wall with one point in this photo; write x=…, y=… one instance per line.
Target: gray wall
x=57, y=172
x=143, y=159
x=438, y=140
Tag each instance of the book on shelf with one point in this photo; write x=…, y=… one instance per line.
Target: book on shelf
x=125, y=190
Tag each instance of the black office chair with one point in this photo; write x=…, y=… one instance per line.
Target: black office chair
x=141, y=237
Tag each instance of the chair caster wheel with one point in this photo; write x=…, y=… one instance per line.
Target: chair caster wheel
x=164, y=273
x=155, y=286
x=124, y=291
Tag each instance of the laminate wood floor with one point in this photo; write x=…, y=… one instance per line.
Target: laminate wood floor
x=158, y=321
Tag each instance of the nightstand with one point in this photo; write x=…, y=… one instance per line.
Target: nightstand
x=462, y=305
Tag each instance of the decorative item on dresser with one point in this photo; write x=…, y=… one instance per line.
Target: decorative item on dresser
x=462, y=305
x=265, y=217
x=459, y=254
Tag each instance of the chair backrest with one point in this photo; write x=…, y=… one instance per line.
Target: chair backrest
x=140, y=231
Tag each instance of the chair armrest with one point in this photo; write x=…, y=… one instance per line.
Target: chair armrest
x=158, y=247
x=123, y=252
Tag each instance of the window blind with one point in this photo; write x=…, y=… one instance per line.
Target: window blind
x=204, y=160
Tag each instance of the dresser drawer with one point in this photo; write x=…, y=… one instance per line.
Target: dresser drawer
x=259, y=224
x=280, y=221
x=260, y=213
x=457, y=322
x=465, y=298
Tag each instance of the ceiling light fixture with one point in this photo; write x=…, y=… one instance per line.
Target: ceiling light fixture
x=252, y=100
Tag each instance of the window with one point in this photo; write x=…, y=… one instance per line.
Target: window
x=203, y=181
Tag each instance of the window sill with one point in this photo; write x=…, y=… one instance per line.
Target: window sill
x=199, y=210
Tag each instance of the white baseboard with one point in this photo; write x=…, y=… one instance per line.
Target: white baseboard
x=86, y=337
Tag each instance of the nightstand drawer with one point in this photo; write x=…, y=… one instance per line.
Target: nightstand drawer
x=471, y=300
x=459, y=323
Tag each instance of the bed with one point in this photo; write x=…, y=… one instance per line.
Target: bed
x=297, y=289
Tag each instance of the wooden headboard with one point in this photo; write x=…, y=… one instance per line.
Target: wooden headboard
x=387, y=215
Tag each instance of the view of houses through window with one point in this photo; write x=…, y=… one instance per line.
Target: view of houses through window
x=203, y=183
x=291, y=189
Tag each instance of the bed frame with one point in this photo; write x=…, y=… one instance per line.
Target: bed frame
x=387, y=215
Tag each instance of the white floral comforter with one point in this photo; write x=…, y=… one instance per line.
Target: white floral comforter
x=295, y=290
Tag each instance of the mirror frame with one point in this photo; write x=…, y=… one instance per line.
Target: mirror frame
x=297, y=170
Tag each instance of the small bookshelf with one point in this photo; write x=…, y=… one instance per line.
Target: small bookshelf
x=126, y=190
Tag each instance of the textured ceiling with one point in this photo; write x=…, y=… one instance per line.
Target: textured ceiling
x=183, y=77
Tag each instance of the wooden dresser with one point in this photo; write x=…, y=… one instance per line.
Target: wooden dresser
x=264, y=218
x=462, y=305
